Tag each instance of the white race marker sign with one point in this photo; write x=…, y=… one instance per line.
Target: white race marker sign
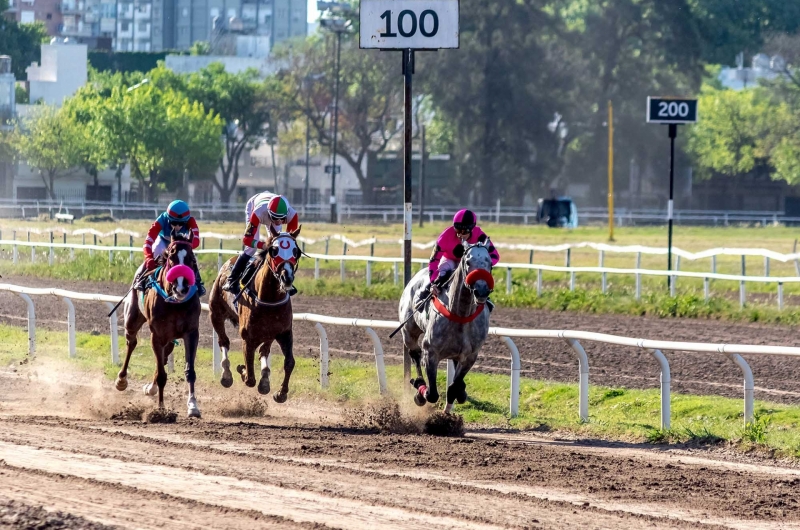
x=409, y=24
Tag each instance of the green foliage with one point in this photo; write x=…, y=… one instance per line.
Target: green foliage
x=125, y=62
x=755, y=432
x=21, y=95
x=21, y=42
x=726, y=139
x=51, y=141
x=200, y=47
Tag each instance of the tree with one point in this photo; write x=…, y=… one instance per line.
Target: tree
x=370, y=99
x=51, y=142
x=162, y=135
x=726, y=140
x=20, y=41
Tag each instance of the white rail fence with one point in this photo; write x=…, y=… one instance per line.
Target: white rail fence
x=637, y=272
x=734, y=352
x=389, y=213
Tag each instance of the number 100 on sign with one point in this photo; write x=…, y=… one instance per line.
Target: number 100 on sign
x=671, y=110
x=409, y=24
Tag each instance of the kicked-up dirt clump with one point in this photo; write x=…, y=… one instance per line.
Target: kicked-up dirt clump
x=244, y=407
x=161, y=416
x=384, y=417
x=441, y=424
x=129, y=412
x=18, y=515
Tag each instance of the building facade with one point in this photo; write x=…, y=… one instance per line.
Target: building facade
x=47, y=12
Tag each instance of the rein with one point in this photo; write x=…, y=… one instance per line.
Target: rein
x=442, y=310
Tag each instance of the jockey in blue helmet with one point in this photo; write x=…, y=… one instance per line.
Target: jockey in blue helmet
x=176, y=217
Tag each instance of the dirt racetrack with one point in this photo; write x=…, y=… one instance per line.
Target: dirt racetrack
x=64, y=464
x=777, y=378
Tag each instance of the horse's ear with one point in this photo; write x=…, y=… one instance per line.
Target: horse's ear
x=273, y=230
x=296, y=233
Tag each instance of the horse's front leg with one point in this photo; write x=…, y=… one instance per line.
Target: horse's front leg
x=190, y=341
x=457, y=391
x=285, y=341
x=431, y=361
x=263, y=383
x=159, y=346
x=246, y=371
x=133, y=321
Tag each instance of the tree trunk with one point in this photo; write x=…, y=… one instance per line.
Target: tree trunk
x=52, y=177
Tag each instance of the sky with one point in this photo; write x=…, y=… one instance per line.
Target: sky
x=313, y=14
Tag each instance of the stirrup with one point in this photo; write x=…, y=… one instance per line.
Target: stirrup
x=292, y=290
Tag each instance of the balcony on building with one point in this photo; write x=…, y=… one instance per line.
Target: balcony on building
x=72, y=7
x=125, y=12
x=142, y=12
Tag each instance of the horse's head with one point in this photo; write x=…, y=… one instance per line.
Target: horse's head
x=477, y=265
x=283, y=255
x=179, y=264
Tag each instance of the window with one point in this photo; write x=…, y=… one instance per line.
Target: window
x=49, y=16
x=125, y=26
x=27, y=17
x=185, y=12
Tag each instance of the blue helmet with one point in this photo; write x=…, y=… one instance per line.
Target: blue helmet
x=178, y=212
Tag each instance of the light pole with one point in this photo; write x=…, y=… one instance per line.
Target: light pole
x=339, y=26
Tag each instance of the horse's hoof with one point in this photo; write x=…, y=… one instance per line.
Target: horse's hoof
x=461, y=398
x=150, y=389
x=280, y=397
x=432, y=397
x=263, y=386
x=121, y=384
x=192, y=410
x=419, y=400
x=227, y=377
x=241, y=371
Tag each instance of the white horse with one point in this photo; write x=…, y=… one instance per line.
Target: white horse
x=453, y=326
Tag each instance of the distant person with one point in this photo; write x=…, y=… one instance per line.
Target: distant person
x=262, y=208
x=449, y=249
x=177, y=217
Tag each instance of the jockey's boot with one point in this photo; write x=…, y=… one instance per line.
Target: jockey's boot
x=422, y=297
x=141, y=279
x=198, y=281
x=232, y=285
x=292, y=290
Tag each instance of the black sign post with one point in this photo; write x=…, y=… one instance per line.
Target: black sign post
x=408, y=25
x=673, y=112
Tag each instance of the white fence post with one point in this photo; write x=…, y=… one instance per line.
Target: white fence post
x=780, y=295
x=603, y=275
x=323, y=355
x=70, y=326
x=706, y=288
x=742, y=294
x=508, y=280
x=748, y=385
x=369, y=273
x=538, y=282
x=583, y=379
x=665, y=388
x=638, y=276
x=451, y=374
x=515, y=370
x=342, y=270
x=395, y=272
x=219, y=256
x=766, y=266
x=31, y=324
x=316, y=269
x=113, y=324
x=379, y=365
x=572, y=280
x=216, y=355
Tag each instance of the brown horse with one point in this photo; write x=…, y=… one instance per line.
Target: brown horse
x=171, y=308
x=264, y=313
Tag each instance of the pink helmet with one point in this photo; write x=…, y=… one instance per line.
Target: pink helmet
x=464, y=220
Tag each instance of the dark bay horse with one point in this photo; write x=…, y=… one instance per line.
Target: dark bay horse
x=453, y=326
x=264, y=312
x=171, y=308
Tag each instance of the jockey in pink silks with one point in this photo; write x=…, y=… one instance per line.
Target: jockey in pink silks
x=449, y=249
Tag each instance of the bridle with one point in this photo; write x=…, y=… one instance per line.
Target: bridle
x=472, y=277
x=282, y=249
